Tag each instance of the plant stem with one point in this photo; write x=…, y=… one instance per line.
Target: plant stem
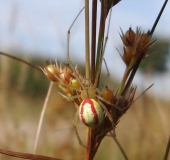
x=100, y=37
x=87, y=48
x=93, y=40
x=133, y=72
x=21, y=60
x=158, y=17
x=167, y=150
x=125, y=76
x=89, y=144
x=87, y=57
x=26, y=155
x=120, y=147
x=42, y=116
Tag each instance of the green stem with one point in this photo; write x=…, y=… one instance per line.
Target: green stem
x=132, y=74
x=126, y=75
x=101, y=37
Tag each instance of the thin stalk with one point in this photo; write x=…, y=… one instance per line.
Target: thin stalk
x=120, y=147
x=87, y=48
x=42, y=116
x=101, y=35
x=93, y=40
x=158, y=17
x=167, y=150
x=89, y=144
x=133, y=72
x=21, y=60
x=26, y=155
x=87, y=72
x=122, y=85
x=126, y=75
x=97, y=76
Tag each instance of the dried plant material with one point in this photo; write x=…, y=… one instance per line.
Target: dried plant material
x=26, y=155
x=136, y=45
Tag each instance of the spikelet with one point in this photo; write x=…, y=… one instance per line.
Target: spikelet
x=136, y=44
x=66, y=74
x=107, y=94
x=142, y=43
x=52, y=71
x=128, y=38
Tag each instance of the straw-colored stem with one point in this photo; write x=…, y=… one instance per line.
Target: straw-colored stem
x=26, y=155
x=120, y=147
x=21, y=60
x=87, y=57
x=167, y=150
x=42, y=116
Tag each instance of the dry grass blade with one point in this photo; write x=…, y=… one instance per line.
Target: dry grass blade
x=42, y=116
x=26, y=155
x=167, y=150
x=142, y=93
x=21, y=60
x=120, y=147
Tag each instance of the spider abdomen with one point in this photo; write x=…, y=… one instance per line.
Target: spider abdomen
x=91, y=113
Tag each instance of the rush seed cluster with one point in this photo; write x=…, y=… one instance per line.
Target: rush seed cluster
x=135, y=45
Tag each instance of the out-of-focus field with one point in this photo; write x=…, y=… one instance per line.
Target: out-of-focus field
x=143, y=131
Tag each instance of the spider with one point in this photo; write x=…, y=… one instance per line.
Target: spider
x=85, y=95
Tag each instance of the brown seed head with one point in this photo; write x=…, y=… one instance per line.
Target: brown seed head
x=51, y=71
x=107, y=94
x=142, y=43
x=66, y=74
x=128, y=38
x=128, y=55
x=74, y=83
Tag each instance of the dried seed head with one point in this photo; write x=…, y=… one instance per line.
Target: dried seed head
x=51, y=71
x=107, y=94
x=74, y=83
x=128, y=38
x=136, y=44
x=91, y=113
x=66, y=74
x=142, y=44
x=128, y=55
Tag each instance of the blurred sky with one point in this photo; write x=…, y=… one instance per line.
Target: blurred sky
x=41, y=26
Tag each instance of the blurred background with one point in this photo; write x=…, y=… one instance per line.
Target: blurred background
x=37, y=31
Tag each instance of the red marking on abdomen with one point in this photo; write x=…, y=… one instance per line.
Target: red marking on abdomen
x=93, y=109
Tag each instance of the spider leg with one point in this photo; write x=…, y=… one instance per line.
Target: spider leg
x=69, y=98
x=68, y=48
x=109, y=116
x=109, y=103
x=75, y=128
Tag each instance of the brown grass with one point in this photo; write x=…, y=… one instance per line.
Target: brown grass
x=142, y=131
